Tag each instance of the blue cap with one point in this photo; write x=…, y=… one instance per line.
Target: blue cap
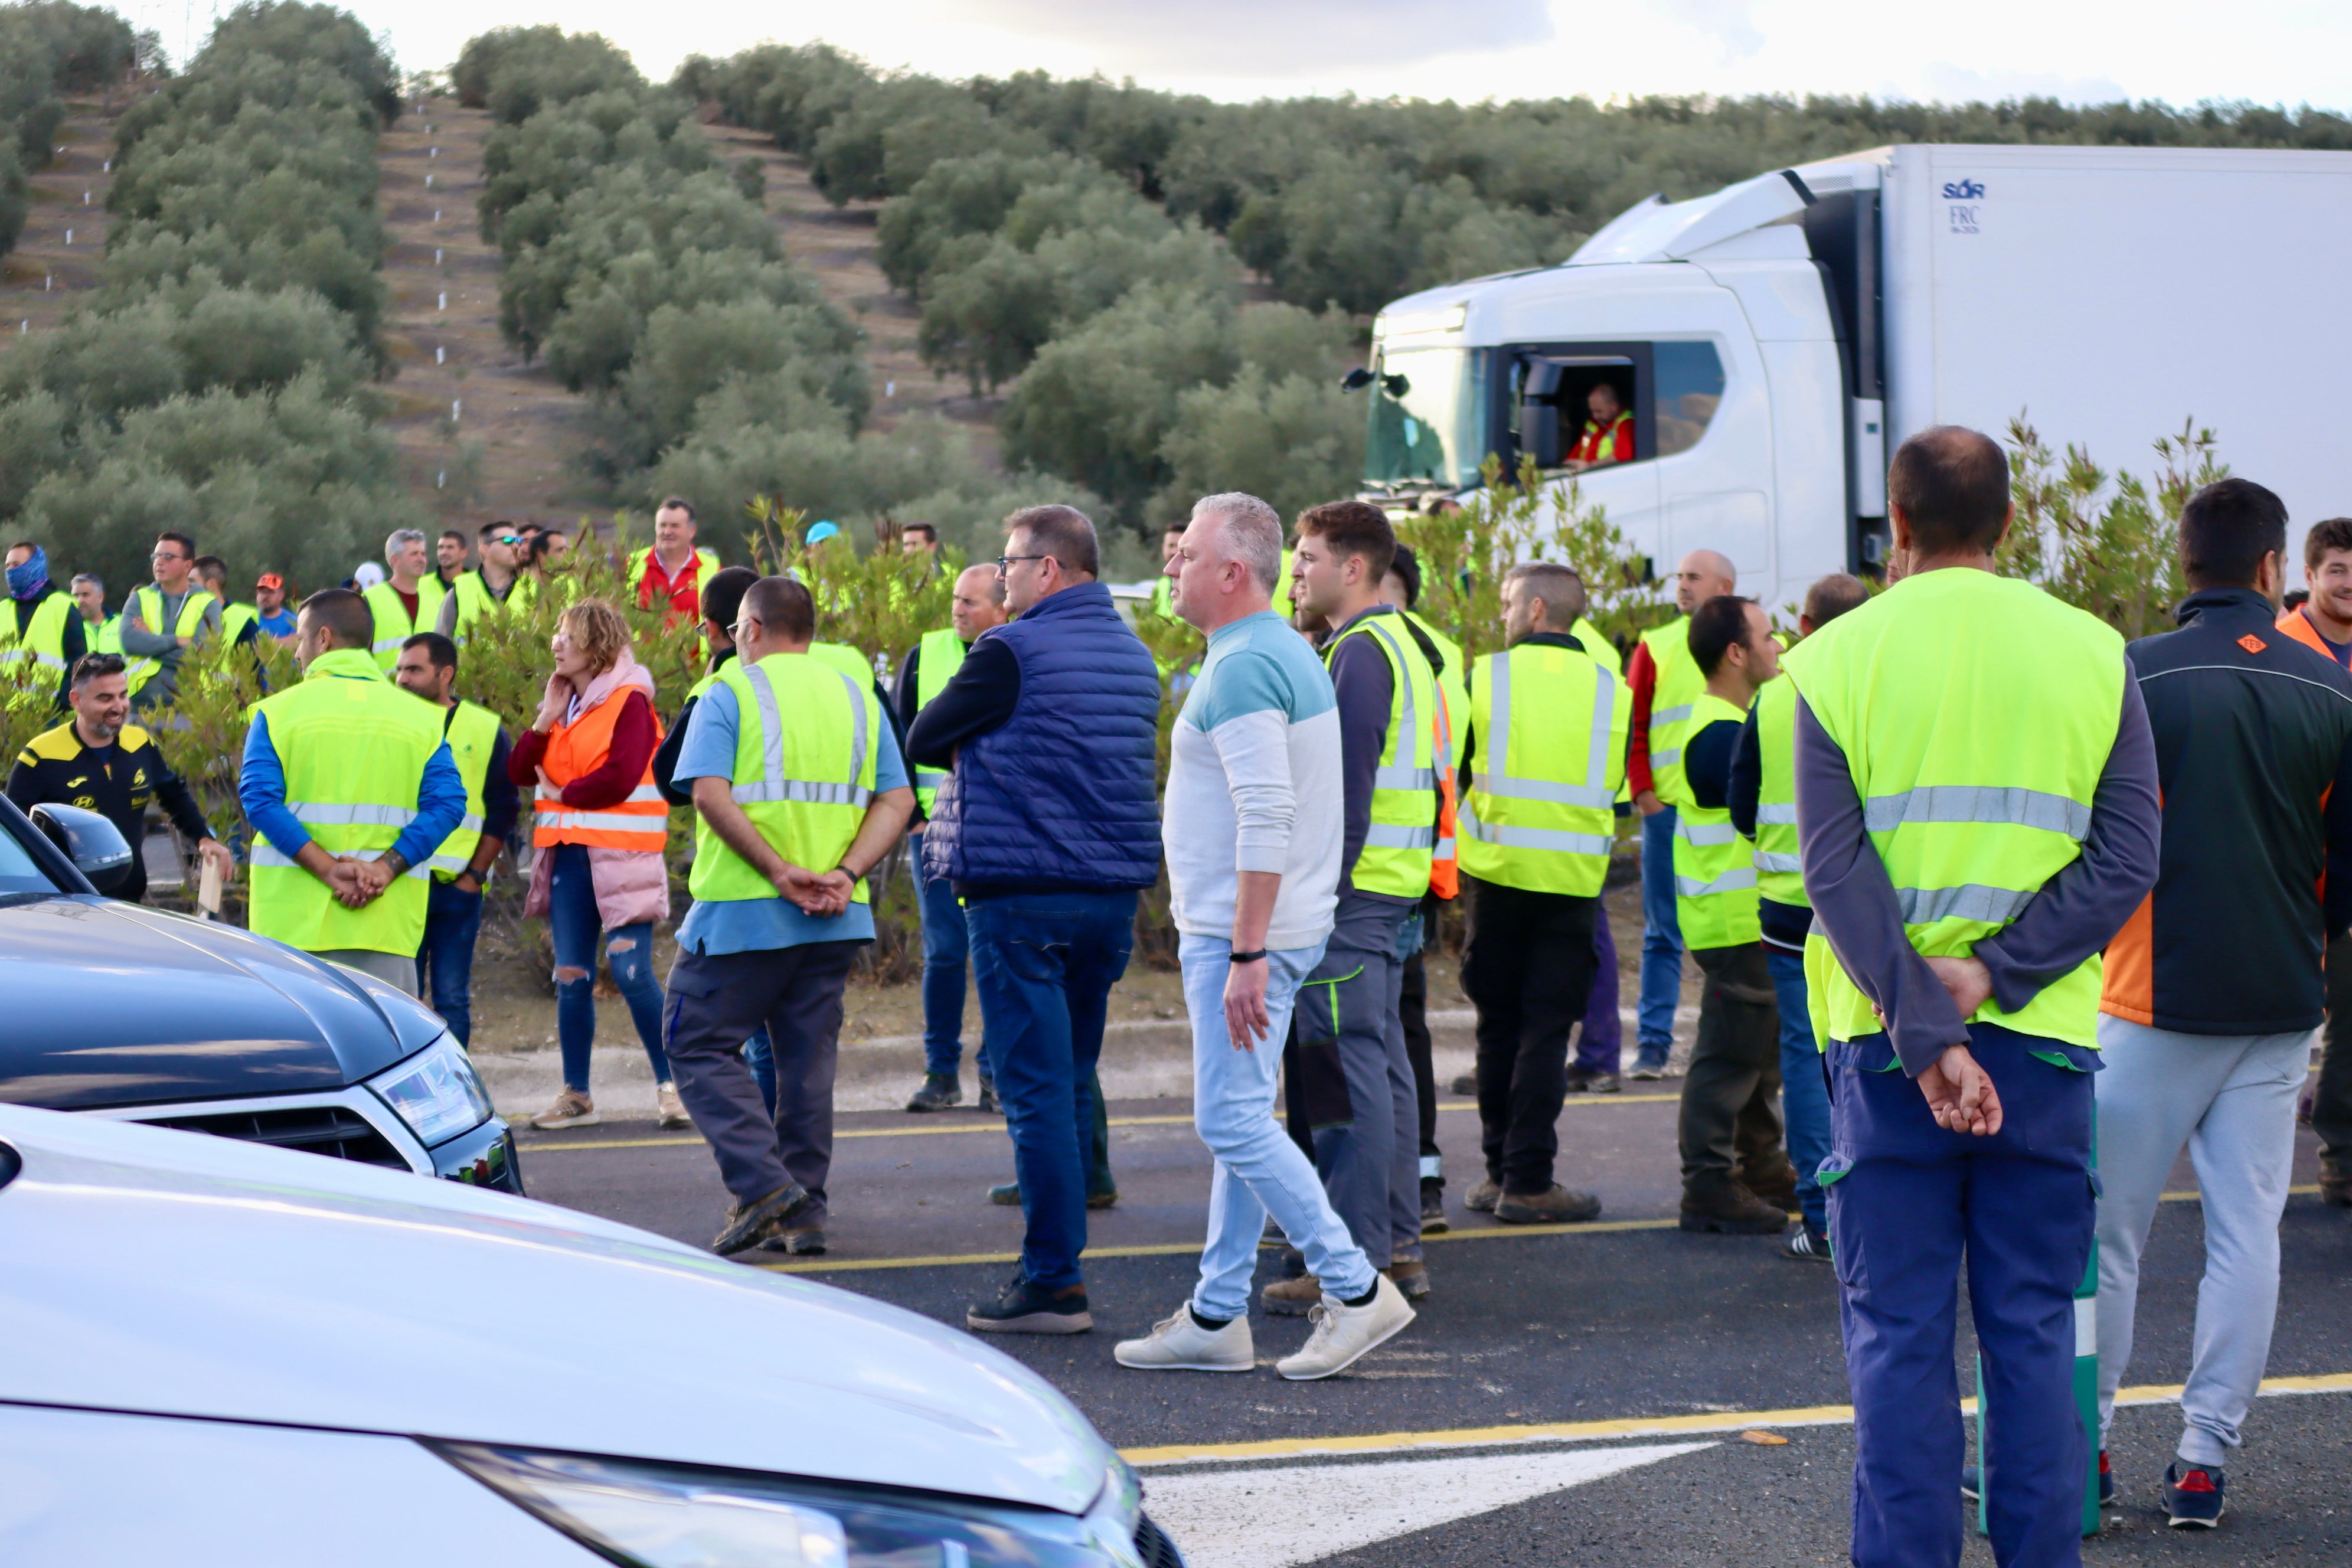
x=820, y=531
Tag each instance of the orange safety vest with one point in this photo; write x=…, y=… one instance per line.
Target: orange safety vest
x=1589, y=447
x=577, y=749
x=2294, y=623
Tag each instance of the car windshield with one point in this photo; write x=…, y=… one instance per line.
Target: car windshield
x=19, y=872
x=1428, y=413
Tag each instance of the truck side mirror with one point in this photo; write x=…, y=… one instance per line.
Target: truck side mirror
x=1355, y=380
x=1540, y=431
x=94, y=845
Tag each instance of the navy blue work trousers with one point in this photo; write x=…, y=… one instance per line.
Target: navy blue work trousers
x=1908, y=1201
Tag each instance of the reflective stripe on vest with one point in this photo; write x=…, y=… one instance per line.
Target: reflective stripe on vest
x=1679, y=687
x=1401, y=839
x=576, y=748
x=149, y=599
x=1715, y=868
x=1778, y=865
x=44, y=639
x=940, y=655
x=1595, y=438
x=472, y=733
x=393, y=625
x=1975, y=714
x=805, y=770
x=354, y=748
x=1540, y=812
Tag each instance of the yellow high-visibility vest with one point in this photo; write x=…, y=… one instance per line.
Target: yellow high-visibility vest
x=807, y=734
x=1540, y=812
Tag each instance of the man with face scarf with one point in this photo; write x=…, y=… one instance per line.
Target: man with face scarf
x=44, y=628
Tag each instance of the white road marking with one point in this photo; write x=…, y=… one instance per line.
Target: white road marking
x=1256, y=1517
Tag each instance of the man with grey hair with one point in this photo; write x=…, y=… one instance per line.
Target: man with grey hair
x=409, y=602
x=1255, y=836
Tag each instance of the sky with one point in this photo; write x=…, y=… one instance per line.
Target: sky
x=2269, y=51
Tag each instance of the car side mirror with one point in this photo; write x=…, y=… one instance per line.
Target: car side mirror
x=95, y=845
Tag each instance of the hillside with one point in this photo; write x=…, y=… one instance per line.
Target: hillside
x=511, y=449
x=41, y=278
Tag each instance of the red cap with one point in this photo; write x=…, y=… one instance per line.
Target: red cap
x=271, y=580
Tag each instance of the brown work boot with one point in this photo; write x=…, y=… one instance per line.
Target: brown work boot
x=1410, y=1275
x=1483, y=1197
x=1775, y=1184
x=1554, y=1206
x=1291, y=1298
x=1721, y=1205
x=2335, y=1186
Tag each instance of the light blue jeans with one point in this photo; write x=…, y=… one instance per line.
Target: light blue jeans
x=1259, y=1169
x=1662, y=939
x=1804, y=1090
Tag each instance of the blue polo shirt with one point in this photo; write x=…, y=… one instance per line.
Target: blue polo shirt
x=716, y=926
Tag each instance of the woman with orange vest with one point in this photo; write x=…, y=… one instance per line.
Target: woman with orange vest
x=600, y=830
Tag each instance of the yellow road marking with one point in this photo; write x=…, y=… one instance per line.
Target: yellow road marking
x=1185, y=1121
x=1171, y=1249
x=1636, y=1427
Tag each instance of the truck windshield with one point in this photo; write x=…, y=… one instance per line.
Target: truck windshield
x=1428, y=416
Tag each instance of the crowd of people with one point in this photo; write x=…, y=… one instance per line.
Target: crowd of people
x=1895, y=848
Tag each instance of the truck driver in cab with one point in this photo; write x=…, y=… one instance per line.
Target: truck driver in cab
x=1607, y=435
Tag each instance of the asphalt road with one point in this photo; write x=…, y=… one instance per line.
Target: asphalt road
x=1569, y=1394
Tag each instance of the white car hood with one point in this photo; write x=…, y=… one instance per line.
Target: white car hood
x=183, y=1274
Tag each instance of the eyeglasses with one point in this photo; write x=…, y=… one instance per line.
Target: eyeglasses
x=167, y=555
x=506, y=539
x=1005, y=562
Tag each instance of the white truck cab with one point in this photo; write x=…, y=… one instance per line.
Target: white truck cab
x=1775, y=340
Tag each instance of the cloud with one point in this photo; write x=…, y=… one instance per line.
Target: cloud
x=1730, y=23
x=1268, y=38
x=1949, y=83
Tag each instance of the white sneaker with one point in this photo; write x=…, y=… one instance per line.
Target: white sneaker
x=668, y=1109
x=1343, y=1333
x=1180, y=1344
x=571, y=1109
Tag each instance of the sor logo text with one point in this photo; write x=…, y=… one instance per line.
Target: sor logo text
x=1964, y=191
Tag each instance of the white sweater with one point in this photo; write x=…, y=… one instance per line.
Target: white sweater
x=1253, y=785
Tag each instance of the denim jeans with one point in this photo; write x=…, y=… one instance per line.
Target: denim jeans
x=1259, y=1169
x=1804, y=1087
x=947, y=948
x=1370, y=1164
x=574, y=925
x=1043, y=964
x=1600, y=1043
x=453, y=918
x=1662, y=938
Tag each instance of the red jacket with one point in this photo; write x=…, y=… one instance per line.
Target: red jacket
x=1642, y=675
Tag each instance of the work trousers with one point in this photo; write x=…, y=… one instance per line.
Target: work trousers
x=1662, y=939
x=1412, y=1013
x=1908, y=1201
x=2331, y=1110
x=1043, y=964
x=1730, y=1117
x=717, y=999
x=1601, y=1039
x=1370, y=1164
x=2230, y=1100
x=1527, y=967
x=1259, y=1169
x=1804, y=1087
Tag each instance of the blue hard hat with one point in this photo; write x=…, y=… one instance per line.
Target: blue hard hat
x=820, y=531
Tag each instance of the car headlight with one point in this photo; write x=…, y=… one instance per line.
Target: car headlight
x=436, y=1092
x=652, y=1515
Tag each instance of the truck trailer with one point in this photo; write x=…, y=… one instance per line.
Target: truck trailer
x=1775, y=341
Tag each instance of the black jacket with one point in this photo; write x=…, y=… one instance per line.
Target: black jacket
x=2254, y=749
x=117, y=782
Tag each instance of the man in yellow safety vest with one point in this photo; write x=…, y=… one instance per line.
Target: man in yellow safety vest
x=1978, y=817
x=408, y=601
x=461, y=865
x=799, y=783
x=1665, y=683
x=40, y=625
x=923, y=674
x=1369, y=1157
x=1735, y=1176
x=488, y=588
x=351, y=787
x=672, y=570
x=163, y=620
x=1764, y=810
x=1545, y=756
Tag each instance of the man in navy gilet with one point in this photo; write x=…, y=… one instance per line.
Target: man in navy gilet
x=1048, y=828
